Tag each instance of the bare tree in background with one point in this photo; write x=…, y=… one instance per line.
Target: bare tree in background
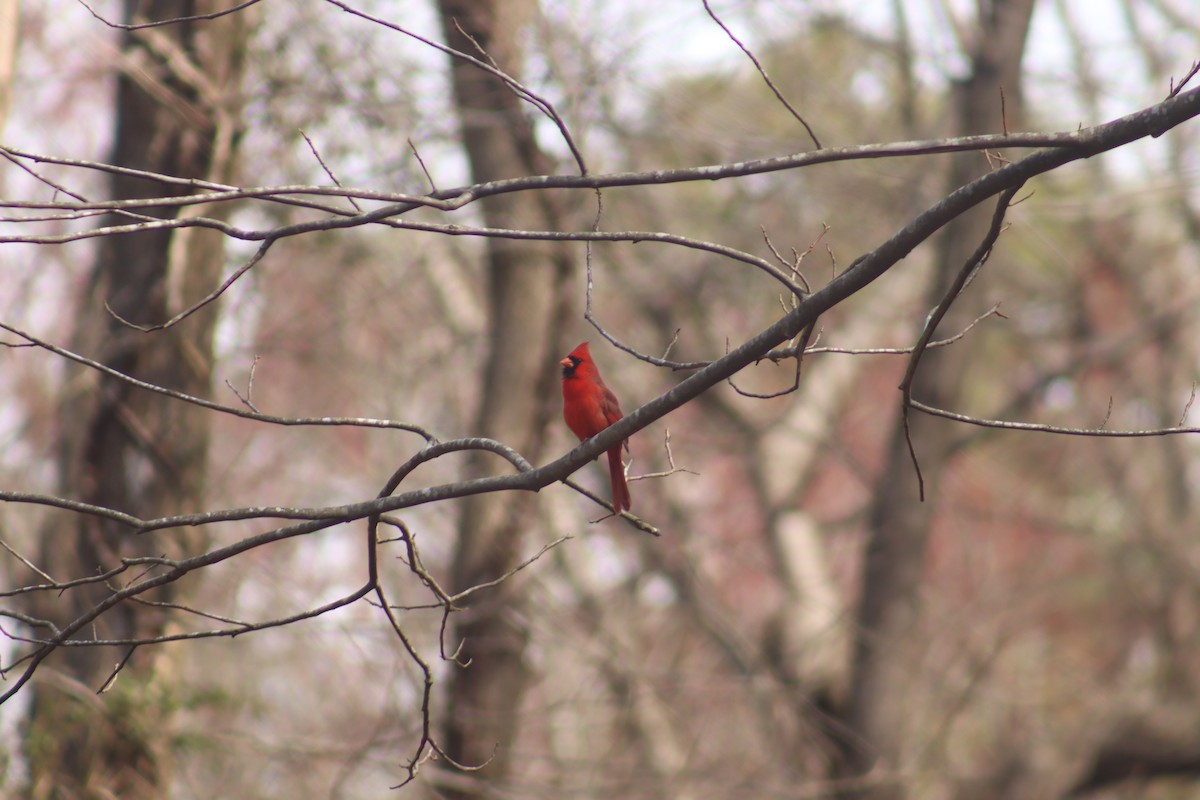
x=177, y=113
x=901, y=514
x=525, y=284
x=10, y=15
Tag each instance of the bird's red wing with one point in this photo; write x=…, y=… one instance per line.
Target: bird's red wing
x=611, y=409
x=610, y=406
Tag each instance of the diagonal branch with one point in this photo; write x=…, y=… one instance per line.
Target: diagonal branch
x=763, y=72
x=364, y=422
x=973, y=264
x=537, y=101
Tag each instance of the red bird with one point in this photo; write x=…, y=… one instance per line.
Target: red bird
x=589, y=407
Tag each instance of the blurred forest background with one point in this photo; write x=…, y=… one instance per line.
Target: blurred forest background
x=805, y=626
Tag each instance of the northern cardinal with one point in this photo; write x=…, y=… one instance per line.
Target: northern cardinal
x=589, y=407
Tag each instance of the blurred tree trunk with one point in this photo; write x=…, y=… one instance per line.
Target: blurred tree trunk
x=120, y=447
x=878, y=710
x=520, y=376
x=10, y=18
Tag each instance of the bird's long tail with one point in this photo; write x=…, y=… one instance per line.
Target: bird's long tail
x=616, y=470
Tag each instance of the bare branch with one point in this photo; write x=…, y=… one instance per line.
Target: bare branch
x=994, y=311
x=763, y=72
x=12, y=158
x=112, y=677
x=463, y=595
x=968, y=270
x=1176, y=88
x=172, y=21
x=424, y=169
x=69, y=505
x=209, y=298
x=537, y=101
x=364, y=422
x=1099, y=432
x=633, y=519
x=800, y=350
x=1188, y=407
x=453, y=199
x=32, y=567
x=317, y=155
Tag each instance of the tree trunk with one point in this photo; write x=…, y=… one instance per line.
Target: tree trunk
x=525, y=284
x=899, y=522
x=128, y=449
x=10, y=18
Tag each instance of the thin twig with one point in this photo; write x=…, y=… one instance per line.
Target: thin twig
x=112, y=676
x=1176, y=88
x=763, y=72
x=206, y=300
x=965, y=275
x=633, y=519
x=537, y=101
x=1036, y=427
x=1188, y=407
x=421, y=161
x=317, y=154
x=159, y=23
x=41, y=574
x=799, y=350
x=363, y=422
x=248, y=400
x=465, y=593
